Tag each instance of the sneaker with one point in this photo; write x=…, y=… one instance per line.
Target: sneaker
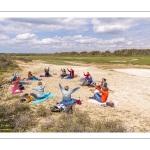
x=90, y=97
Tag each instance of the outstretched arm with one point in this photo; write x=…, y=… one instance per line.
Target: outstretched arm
x=33, y=88
x=73, y=90
x=68, y=70
x=60, y=87
x=43, y=84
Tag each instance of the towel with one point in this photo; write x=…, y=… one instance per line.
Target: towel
x=102, y=104
x=46, y=96
x=95, y=101
x=13, y=92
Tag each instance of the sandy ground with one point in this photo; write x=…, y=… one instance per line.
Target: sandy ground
x=130, y=88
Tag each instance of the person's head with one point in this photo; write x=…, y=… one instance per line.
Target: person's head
x=66, y=88
x=105, y=88
x=29, y=72
x=87, y=72
x=39, y=83
x=103, y=80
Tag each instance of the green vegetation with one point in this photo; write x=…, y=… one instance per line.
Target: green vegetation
x=66, y=60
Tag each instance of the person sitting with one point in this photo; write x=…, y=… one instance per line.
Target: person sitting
x=86, y=77
x=31, y=77
x=66, y=95
x=17, y=86
x=71, y=73
x=102, y=98
x=40, y=91
x=87, y=81
x=47, y=74
x=63, y=74
x=103, y=83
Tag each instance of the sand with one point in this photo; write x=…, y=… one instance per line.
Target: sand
x=130, y=88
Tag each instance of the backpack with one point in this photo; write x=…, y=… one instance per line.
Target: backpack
x=27, y=98
x=110, y=103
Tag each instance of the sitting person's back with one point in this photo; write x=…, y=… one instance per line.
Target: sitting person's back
x=66, y=93
x=63, y=74
x=39, y=89
x=47, y=74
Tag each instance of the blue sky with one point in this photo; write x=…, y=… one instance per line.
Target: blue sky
x=50, y=35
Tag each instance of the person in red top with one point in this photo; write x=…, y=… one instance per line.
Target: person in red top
x=101, y=98
x=18, y=86
x=86, y=75
x=71, y=72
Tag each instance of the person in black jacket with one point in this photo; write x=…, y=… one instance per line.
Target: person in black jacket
x=47, y=74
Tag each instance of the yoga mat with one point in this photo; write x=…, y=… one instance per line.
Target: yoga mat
x=96, y=102
x=35, y=79
x=13, y=92
x=46, y=96
x=41, y=75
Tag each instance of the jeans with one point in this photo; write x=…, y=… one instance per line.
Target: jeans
x=35, y=96
x=85, y=83
x=67, y=103
x=33, y=78
x=97, y=96
x=69, y=77
x=82, y=79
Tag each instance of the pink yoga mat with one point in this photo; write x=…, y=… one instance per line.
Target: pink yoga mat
x=13, y=92
x=41, y=75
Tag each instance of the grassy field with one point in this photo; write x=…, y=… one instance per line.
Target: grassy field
x=64, y=60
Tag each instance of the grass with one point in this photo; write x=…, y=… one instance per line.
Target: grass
x=81, y=122
x=64, y=60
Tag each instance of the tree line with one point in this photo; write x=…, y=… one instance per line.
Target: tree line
x=123, y=52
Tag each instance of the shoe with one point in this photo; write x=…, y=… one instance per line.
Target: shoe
x=90, y=97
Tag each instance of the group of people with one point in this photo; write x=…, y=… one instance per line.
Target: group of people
x=100, y=93
x=64, y=74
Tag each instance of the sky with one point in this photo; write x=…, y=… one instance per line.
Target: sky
x=51, y=35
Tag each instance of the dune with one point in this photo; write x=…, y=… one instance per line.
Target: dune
x=130, y=87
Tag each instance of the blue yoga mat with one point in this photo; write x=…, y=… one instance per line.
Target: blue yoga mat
x=68, y=78
x=35, y=79
x=46, y=96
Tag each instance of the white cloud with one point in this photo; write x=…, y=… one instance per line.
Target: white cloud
x=25, y=36
x=112, y=25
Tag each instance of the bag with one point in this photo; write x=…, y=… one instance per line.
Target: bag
x=21, y=87
x=78, y=102
x=27, y=98
x=56, y=109
x=110, y=103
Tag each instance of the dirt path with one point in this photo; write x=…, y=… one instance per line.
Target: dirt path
x=131, y=92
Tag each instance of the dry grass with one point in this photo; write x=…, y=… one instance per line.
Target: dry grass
x=80, y=122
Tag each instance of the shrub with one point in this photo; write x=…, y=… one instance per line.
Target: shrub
x=42, y=111
x=20, y=107
x=23, y=123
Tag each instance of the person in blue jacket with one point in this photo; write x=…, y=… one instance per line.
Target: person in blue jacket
x=66, y=95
